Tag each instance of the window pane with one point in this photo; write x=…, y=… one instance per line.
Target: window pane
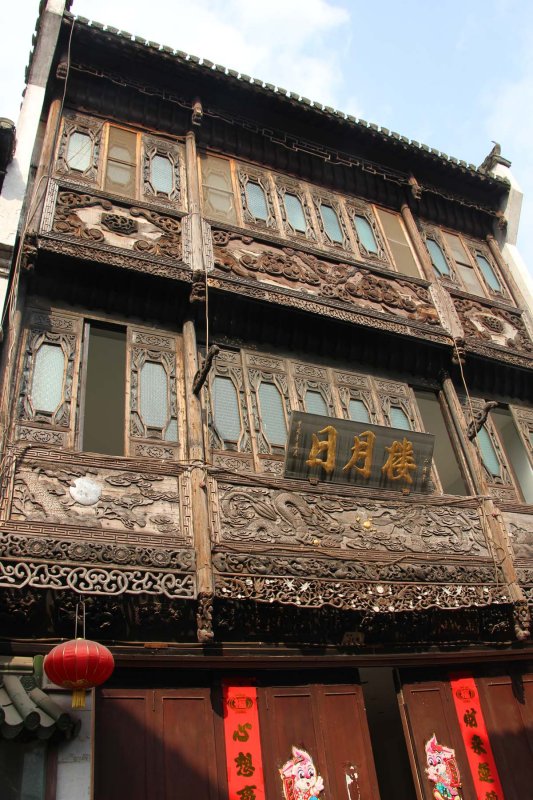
x=488, y=273
x=366, y=234
x=121, y=175
x=171, y=433
x=295, y=212
x=443, y=454
x=488, y=453
x=217, y=188
x=122, y=145
x=401, y=251
x=79, y=151
x=514, y=450
x=470, y=279
x=315, y=403
x=154, y=395
x=47, y=382
x=437, y=257
x=465, y=268
x=255, y=197
x=104, y=417
x=358, y=411
x=456, y=247
x=226, y=409
x=399, y=419
x=272, y=415
x=331, y=224
x=161, y=174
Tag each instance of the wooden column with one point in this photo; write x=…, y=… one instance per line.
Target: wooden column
x=494, y=528
x=195, y=441
x=416, y=239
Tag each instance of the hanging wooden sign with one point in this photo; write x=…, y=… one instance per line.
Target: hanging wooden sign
x=357, y=453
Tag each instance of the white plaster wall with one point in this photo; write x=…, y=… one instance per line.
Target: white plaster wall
x=74, y=767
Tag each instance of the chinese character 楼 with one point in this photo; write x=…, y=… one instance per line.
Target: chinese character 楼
x=363, y=447
x=328, y=446
x=247, y=793
x=400, y=461
x=483, y=772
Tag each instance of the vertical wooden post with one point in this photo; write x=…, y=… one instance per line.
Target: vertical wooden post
x=495, y=528
x=420, y=250
x=196, y=450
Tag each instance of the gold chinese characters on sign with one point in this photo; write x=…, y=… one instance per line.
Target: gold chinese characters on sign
x=341, y=451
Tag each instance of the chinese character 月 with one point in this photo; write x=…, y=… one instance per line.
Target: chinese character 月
x=400, y=461
x=362, y=450
x=328, y=446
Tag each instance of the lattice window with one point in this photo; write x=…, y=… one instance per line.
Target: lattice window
x=331, y=222
x=79, y=147
x=162, y=168
x=368, y=235
x=295, y=209
x=257, y=205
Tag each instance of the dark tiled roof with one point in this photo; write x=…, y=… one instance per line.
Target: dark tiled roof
x=256, y=84
x=27, y=710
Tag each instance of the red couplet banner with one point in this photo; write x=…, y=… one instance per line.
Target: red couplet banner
x=475, y=737
x=243, y=743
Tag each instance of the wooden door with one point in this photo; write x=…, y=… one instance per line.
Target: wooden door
x=157, y=743
x=427, y=709
x=327, y=722
x=507, y=703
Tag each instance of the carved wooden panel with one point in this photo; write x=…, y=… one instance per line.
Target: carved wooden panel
x=520, y=528
x=155, y=399
x=94, y=220
x=48, y=381
x=90, y=140
x=152, y=148
x=523, y=418
x=245, y=259
x=259, y=516
x=493, y=331
x=107, y=502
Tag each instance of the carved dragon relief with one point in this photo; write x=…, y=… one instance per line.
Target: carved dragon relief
x=274, y=516
x=95, y=220
x=286, y=267
x=98, y=498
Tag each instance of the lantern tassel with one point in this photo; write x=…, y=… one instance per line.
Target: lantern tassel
x=78, y=698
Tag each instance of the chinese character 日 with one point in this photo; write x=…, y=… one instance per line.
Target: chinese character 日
x=244, y=764
x=363, y=447
x=400, y=461
x=241, y=734
x=328, y=446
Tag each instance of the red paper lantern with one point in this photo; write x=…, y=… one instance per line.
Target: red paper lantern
x=79, y=665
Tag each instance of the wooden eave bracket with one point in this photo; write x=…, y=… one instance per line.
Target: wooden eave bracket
x=201, y=376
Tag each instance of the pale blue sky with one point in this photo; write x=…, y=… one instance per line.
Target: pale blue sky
x=454, y=74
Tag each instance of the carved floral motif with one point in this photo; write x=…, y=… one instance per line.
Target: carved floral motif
x=243, y=257
x=489, y=324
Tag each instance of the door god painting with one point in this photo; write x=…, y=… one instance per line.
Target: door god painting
x=300, y=778
x=442, y=770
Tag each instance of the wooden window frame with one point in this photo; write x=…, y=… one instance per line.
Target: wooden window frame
x=472, y=248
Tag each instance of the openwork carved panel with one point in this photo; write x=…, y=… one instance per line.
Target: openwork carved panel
x=268, y=220
x=359, y=209
x=48, y=380
x=227, y=404
x=94, y=220
x=287, y=188
x=493, y=330
x=355, y=390
x=153, y=393
x=159, y=149
x=264, y=516
x=241, y=257
x=78, y=154
x=330, y=201
x=110, y=500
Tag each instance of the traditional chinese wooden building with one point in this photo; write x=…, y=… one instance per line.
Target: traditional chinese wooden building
x=203, y=269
